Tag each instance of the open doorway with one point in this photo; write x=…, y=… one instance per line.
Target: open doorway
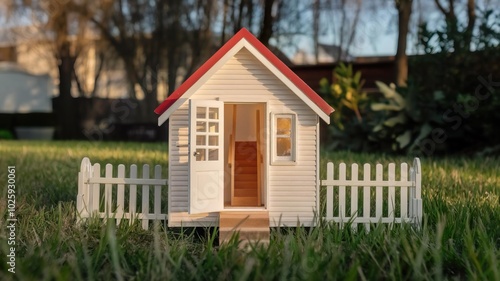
x=244, y=151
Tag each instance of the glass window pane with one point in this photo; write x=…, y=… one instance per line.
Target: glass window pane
x=213, y=154
x=200, y=140
x=283, y=146
x=284, y=126
x=213, y=140
x=200, y=154
x=213, y=113
x=214, y=127
x=201, y=126
x=201, y=112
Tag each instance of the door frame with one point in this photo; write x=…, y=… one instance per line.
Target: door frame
x=265, y=156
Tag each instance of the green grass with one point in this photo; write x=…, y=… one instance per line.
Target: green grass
x=460, y=237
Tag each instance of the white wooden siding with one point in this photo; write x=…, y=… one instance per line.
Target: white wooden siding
x=291, y=189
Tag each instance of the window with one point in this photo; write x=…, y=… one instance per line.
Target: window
x=283, y=142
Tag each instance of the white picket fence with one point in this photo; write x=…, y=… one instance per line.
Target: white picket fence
x=385, y=199
x=378, y=202
x=96, y=193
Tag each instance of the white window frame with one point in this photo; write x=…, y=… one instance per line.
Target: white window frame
x=283, y=160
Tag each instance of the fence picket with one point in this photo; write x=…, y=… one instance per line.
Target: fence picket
x=404, y=191
x=366, y=195
x=96, y=189
x=83, y=192
x=133, y=194
x=329, y=191
x=120, y=195
x=145, y=198
x=354, y=194
x=378, y=191
x=418, y=193
x=391, y=200
x=157, y=206
x=108, y=191
x=411, y=191
x=342, y=201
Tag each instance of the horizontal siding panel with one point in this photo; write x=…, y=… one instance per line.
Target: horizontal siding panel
x=254, y=87
x=306, y=137
x=306, y=179
x=282, y=171
x=247, y=82
x=285, y=210
x=291, y=189
x=240, y=92
x=306, y=157
x=234, y=76
x=301, y=163
x=278, y=199
x=281, y=192
x=292, y=182
x=178, y=203
x=307, y=143
x=239, y=66
x=293, y=205
x=179, y=166
x=179, y=173
x=306, y=171
x=241, y=71
x=179, y=183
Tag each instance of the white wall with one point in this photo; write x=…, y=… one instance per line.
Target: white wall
x=22, y=92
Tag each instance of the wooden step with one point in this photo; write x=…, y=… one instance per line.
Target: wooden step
x=245, y=192
x=245, y=144
x=244, y=163
x=252, y=226
x=245, y=170
x=244, y=201
x=245, y=185
x=245, y=177
x=245, y=151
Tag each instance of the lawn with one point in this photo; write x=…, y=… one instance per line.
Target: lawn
x=460, y=237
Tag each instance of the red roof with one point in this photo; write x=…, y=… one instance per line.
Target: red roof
x=244, y=34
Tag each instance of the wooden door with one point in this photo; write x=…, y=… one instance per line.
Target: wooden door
x=206, y=163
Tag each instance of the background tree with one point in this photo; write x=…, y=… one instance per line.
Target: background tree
x=404, y=8
x=64, y=30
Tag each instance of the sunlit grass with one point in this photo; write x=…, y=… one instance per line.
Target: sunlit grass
x=460, y=237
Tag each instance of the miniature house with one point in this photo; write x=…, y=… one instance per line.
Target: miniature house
x=243, y=137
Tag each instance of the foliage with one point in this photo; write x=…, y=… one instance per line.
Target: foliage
x=345, y=92
x=6, y=134
x=450, y=103
x=347, y=97
x=403, y=120
x=466, y=82
x=459, y=239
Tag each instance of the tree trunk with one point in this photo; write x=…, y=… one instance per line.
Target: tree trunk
x=266, y=30
x=404, y=12
x=64, y=109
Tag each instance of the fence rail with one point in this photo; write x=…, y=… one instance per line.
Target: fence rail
x=96, y=193
x=403, y=202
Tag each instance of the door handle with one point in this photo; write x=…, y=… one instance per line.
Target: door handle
x=196, y=153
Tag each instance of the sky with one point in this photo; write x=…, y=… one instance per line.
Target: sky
x=376, y=32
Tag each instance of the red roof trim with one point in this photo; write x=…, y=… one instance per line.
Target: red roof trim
x=244, y=34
